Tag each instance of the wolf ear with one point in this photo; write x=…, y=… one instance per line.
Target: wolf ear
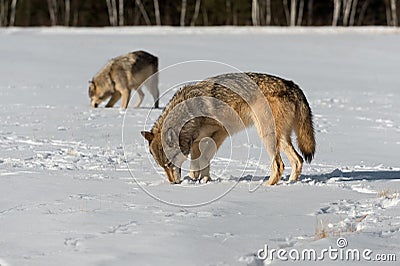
x=147, y=135
x=171, y=137
x=92, y=88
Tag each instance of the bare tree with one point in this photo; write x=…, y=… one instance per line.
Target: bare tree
x=310, y=12
x=235, y=18
x=183, y=12
x=255, y=13
x=115, y=12
x=205, y=16
x=393, y=8
x=261, y=12
x=196, y=13
x=52, y=5
x=295, y=15
x=300, y=14
x=2, y=14
x=287, y=13
x=12, y=16
x=362, y=12
x=353, y=13
x=268, y=12
x=75, y=17
x=388, y=13
x=121, y=13
x=391, y=13
x=67, y=12
x=143, y=12
x=336, y=12
x=110, y=9
x=293, y=11
x=228, y=6
x=157, y=12
x=346, y=12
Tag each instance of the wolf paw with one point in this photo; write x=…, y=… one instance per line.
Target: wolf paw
x=194, y=175
x=205, y=179
x=176, y=181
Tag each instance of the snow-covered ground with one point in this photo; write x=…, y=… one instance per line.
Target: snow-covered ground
x=68, y=198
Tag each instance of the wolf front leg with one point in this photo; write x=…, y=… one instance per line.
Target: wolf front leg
x=114, y=98
x=194, y=161
x=205, y=150
x=208, y=148
x=201, y=153
x=125, y=95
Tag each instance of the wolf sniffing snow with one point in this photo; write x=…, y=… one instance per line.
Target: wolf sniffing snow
x=123, y=74
x=199, y=117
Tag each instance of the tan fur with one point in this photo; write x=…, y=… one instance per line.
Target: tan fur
x=123, y=74
x=199, y=118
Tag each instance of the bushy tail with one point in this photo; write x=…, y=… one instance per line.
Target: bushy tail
x=304, y=128
x=155, y=92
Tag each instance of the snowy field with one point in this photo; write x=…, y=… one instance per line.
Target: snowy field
x=71, y=196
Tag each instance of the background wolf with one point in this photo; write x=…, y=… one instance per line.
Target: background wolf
x=123, y=74
x=199, y=117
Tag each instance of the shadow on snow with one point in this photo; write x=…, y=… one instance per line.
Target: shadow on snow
x=336, y=174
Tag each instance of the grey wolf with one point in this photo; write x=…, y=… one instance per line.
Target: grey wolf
x=123, y=74
x=200, y=117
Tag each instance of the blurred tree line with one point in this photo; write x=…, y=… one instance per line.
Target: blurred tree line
x=198, y=12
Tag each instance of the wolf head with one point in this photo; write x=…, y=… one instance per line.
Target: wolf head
x=96, y=94
x=166, y=154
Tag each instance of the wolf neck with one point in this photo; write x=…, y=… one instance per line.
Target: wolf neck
x=158, y=125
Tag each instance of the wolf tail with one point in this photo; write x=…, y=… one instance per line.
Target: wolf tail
x=155, y=64
x=304, y=128
x=155, y=91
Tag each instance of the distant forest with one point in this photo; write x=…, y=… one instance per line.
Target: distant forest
x=97, y=13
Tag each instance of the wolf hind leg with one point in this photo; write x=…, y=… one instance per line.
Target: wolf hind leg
x=295, y=159
x=152, y=87
x=267, y=130
x=277, y=168
x=140, y=99
x=114, y=98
